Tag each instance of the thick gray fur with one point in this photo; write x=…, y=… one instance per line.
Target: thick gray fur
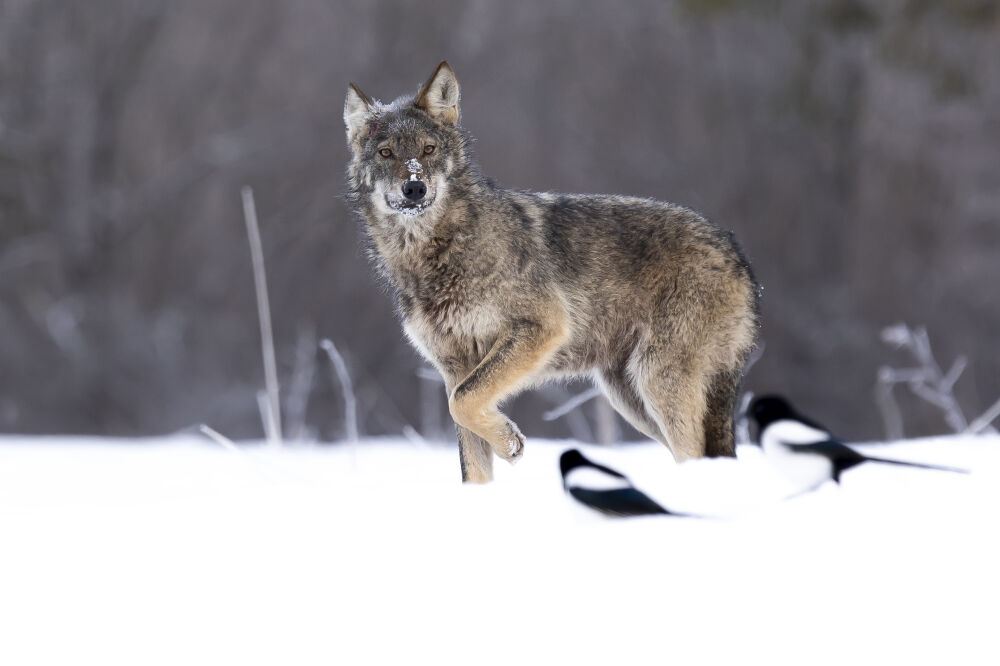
x=502, y=289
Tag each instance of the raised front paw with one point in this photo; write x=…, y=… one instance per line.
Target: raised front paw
x=512, y=446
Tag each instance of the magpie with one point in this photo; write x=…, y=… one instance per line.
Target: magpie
x=603, y=489
x=805, y=451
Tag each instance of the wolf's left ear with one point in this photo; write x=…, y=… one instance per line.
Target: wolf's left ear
x=356, y=110
x=439, y=96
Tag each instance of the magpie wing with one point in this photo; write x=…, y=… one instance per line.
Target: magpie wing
x=618, y=502
x=840, y=455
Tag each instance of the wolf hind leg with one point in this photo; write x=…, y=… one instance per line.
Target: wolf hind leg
x=718, y=421
x=620, y=392
x=674, y=390
x=475, y=455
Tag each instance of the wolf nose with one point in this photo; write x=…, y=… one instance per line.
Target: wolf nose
x=414, y=190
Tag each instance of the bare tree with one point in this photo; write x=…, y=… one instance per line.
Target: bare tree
x=927, y=381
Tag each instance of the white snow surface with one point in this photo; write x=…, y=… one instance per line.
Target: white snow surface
x=178, y=551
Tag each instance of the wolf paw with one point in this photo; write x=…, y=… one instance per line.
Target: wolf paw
x=512, y=446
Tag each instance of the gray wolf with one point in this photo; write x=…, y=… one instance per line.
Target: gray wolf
x=503, y=289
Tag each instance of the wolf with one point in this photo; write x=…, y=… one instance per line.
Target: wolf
x=502, y=289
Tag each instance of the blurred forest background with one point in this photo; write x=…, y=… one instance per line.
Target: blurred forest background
x=852, y=145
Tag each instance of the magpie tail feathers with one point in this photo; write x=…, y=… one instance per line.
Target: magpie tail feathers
x=907, y=463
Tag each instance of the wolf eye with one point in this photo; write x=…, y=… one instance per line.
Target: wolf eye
x=385, y=152
x=428, y=149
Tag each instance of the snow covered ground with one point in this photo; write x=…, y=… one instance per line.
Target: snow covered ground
x=178, y=551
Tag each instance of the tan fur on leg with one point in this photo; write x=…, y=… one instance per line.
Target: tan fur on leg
x=512, y=362
x=476, y=457
x=674, y=392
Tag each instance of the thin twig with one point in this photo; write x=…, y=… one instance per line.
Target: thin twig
x=350, y=404
x=571, y=404
x=892, y=417
x=219, y=438
x=430, y=374
x=266, y=415
x=432, y=398
x=742, y=426
x=926, y=381
x=948, y=381
x=300, y=387
x=576, y=420
x=983, y=422
x=272, y=421
x=410, y=433
x=605, y=421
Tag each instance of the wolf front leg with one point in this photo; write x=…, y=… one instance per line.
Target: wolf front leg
x=475, y=455
x=513, y=361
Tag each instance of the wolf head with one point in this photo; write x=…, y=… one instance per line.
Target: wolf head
x=405, y=154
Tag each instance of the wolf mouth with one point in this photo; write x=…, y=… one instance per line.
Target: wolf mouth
x=409, y=208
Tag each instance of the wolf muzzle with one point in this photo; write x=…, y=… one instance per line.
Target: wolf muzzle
x=414, y=190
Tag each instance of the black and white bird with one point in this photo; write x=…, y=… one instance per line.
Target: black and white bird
x=603, y=489
x=804, y=451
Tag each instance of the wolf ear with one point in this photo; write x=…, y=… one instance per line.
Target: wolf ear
x=357, y=110
x=439, y=96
